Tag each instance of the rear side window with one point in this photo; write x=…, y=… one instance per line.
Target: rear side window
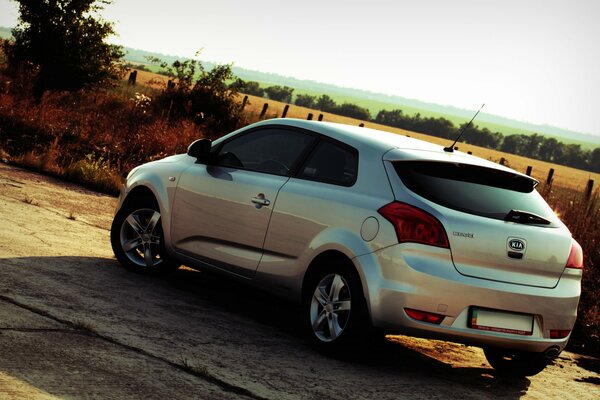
x=472, y=189
x=331, y=163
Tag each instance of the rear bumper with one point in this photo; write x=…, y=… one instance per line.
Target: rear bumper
x=424, y=278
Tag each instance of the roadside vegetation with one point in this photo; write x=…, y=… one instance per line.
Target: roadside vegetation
x=95, y=131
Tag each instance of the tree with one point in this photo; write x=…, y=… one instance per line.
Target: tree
x=305, y=100
x=595, y=160
x=64, y=41
x=513, y=144
x=326, y=103
x=394, y=118
x=252, y=88
x=280, y=93
x=353, y=111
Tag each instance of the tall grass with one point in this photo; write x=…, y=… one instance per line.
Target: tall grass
x=582, y=217
x=92, y=136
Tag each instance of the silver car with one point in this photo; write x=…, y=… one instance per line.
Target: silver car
x=370, y=231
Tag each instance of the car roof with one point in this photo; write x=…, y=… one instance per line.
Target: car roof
x=392, y=146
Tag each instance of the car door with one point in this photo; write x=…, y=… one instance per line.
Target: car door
x=221, y=211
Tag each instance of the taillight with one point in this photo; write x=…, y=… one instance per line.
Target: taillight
x=415, y=225
x=559, y=333
x=424, y=316
x=575, y=257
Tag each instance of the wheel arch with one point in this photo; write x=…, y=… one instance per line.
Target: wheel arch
x=330, y=256
x=140, y=192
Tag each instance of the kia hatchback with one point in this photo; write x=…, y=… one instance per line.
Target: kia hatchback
x=369, y=231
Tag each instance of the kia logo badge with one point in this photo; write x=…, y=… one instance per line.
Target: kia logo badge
x=516, y=244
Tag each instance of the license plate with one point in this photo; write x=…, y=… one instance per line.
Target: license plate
x=500, y=321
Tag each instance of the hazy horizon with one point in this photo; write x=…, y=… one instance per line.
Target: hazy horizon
x=532, y=61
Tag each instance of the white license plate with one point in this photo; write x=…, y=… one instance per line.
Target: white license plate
x=499, y=321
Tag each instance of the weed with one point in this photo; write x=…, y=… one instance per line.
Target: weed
x=197, y=369
x=29, y=200
x=83, y=325
x=95, y=171
x=72, y=216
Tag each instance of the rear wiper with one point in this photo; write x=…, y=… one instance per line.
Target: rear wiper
x=525, y=217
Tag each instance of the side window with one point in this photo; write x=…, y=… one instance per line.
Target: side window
x=331, y=163
x=272, y=151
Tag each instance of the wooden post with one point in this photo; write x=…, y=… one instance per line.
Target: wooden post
x=309, y=116
x=264, y=111
x=589, y=188
x=529, y=170
x=285, y=110
x=320, y=117
x=132, y=78
x=244, y=101
x=550, y=175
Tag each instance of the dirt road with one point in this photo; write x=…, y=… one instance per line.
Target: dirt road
x=73, y=324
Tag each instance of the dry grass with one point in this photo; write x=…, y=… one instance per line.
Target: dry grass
x=92, y=137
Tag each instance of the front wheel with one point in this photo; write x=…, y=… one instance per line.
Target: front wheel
x=335, y=308
x=515, y=363
x=137, y=238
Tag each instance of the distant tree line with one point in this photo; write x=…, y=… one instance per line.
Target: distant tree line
x=532, y=146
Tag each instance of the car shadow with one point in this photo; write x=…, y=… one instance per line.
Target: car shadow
x=231, y=297
x=381, y=355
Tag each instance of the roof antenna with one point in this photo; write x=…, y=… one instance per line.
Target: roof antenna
x=450, y=149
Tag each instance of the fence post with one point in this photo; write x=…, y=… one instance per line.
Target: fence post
x=285, y=110
x=244, y=101
x=320, y=117
x=132, y=78
x=550, y=176
x=589, y=188
x=529, y=170
x=309, y=116
x=264, y=111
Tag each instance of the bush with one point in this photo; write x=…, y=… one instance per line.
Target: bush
x=209, y=101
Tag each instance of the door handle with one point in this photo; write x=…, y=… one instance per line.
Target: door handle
x=260, y=201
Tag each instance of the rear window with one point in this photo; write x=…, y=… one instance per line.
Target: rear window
x=472, y=189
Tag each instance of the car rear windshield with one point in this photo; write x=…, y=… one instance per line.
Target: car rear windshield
x=475, y=190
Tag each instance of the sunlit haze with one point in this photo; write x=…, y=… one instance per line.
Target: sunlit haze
x=530, y=60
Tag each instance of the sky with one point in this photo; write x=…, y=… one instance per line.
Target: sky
x=530, y=60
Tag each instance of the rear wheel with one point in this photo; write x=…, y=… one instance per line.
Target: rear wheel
x=137, y=238
x=335, y=308
x=515, y=363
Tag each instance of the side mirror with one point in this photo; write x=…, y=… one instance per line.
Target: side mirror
x=200, y=149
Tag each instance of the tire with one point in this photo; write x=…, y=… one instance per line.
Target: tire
x=334, y=308
x=137, y=238
x=515, y=363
